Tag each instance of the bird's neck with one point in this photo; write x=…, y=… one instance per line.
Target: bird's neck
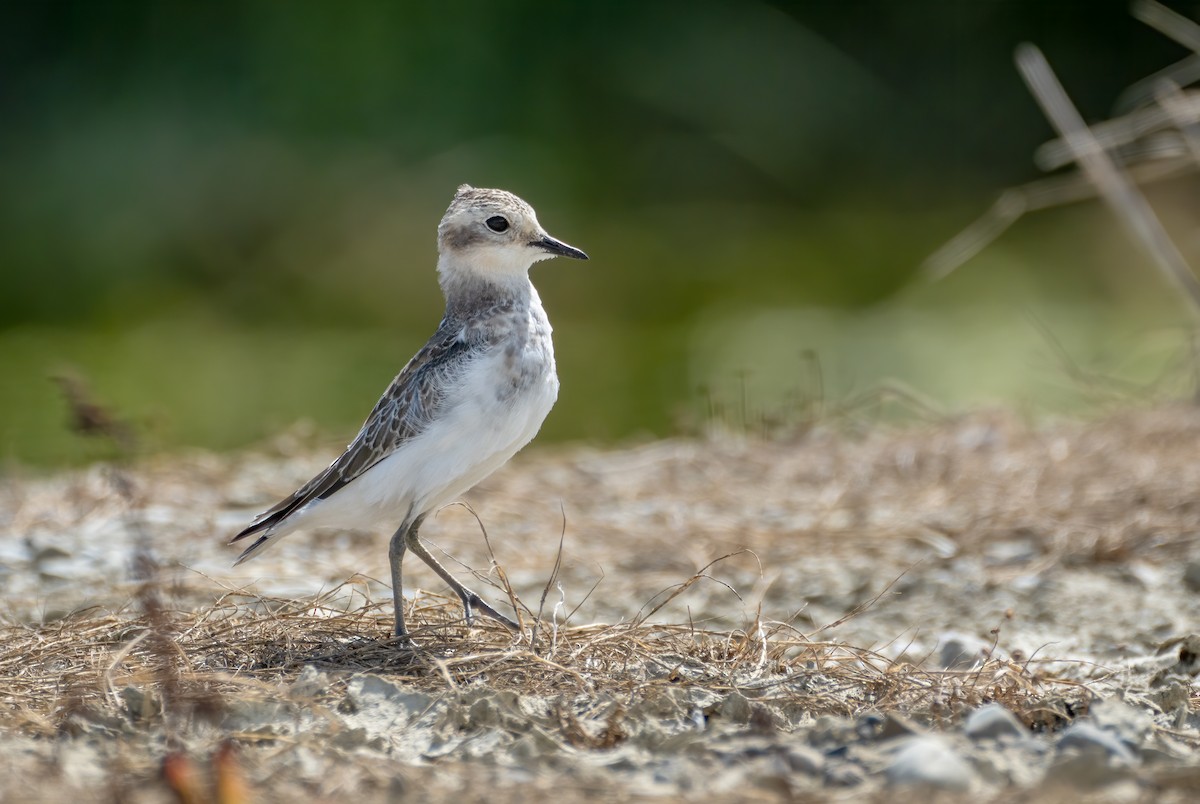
x=468, y=291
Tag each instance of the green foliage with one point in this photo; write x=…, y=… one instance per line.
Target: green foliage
x=223, y=213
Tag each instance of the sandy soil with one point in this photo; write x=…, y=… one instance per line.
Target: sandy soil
x=971, y=606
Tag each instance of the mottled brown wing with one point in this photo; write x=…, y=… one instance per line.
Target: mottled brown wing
x=404, y=411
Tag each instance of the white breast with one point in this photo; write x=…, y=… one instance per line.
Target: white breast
x=496, y=408
x=480, y=433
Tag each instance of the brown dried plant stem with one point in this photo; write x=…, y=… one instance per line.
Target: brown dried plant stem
x=1110, y=180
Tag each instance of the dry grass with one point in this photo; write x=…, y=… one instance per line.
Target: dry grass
x=1103, y=493
x=806, y=575
x=189, y=662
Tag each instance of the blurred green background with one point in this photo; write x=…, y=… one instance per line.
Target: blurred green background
x=223, y=214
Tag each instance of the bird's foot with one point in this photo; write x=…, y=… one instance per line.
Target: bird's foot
x=400, y=636
x=472, y=601
x=402, y=640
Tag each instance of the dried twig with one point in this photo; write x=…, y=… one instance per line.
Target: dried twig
x=1110, y=181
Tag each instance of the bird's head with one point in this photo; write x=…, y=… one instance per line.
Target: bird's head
x=494, y=233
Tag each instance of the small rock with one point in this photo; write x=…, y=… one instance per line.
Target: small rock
x=1009, y=552
x=831, y=729
x=350, y=738
x=772, y=780
x=1128, y=723
x=763, y=719
x=1171, y=693
x=1027, y=583
x=1006, y=768
x=844, y=774
x=662, y=703
x=1191, y=575
x=141, y=704
x=487, y=744
x=929, y=762
x=481, y=713
x=802, y=759
x=874, y=726
x=1160, y=757
x=994, y=722
x=534, y=746
x=736, y=708
x=961, y=651
x=895, y=725
x=268, y=718
x=368, y=686
x=311, y=683
x=1187, y=650
x=366, y=691
x=868, y=725
x=1088, y=739
x=49, y=553
x=1086, y=770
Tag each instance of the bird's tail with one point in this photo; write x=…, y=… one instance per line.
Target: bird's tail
x=259, y=543
x=266, y=530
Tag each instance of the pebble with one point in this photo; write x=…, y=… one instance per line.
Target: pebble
x=736, y=708
x=868, y=725
x=830, y=729
x=1187, y=649
x=960, y=651
x=993, y=721
x=1086, y=770
x=1010, y=552
x=1089, y=739
x=141, y=704
x=311, y=683
x=844, y=774
x=896, y=725
x=929, y=762
x=802, y=759
x=1191, y=575
x=1130, y=725
x=350, y=739
x=367, y=691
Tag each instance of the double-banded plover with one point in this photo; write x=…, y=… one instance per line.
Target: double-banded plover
x=473, y=396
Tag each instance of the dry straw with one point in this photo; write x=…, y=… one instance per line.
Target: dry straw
x=188, y=663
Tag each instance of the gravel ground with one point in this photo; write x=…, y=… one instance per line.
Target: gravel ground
x=970, y=607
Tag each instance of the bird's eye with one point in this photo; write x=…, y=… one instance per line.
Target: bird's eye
x=497, y=224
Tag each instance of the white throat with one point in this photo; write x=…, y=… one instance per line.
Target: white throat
x=496, y=263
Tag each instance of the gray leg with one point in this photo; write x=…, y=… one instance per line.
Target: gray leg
x=470, y=600
x=396, y=548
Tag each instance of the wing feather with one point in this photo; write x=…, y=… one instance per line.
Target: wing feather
x=403, y=412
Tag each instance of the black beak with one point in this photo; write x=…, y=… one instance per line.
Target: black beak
x=559, y=248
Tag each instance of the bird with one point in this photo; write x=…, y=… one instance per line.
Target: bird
x=473, y=396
